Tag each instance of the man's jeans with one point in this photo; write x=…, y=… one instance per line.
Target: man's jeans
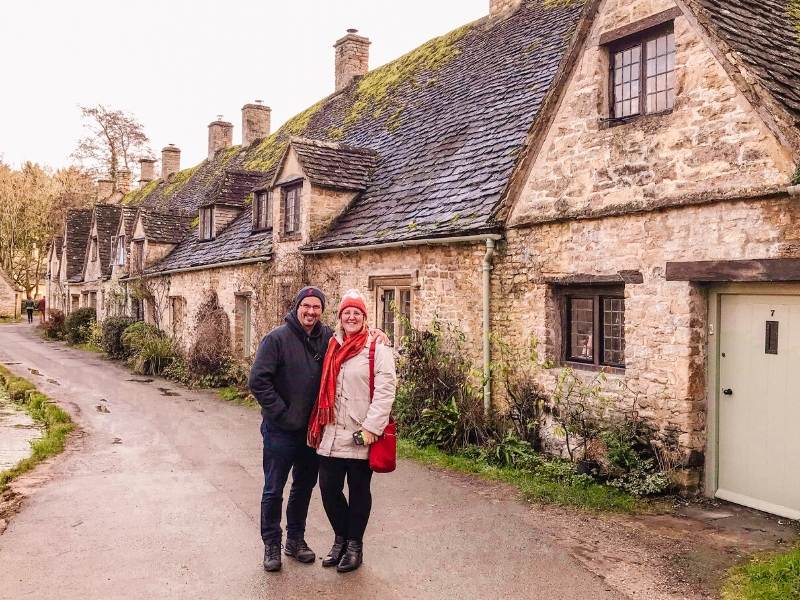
x=285, y=451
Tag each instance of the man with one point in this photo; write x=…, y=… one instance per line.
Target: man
x=285, y=380
x=29, y=307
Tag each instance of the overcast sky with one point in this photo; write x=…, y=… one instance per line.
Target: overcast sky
x=176, y=64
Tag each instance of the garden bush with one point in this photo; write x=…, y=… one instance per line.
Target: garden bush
x=77, y=325
x=113, y=328
x=149, y=350
x=54, y=328
x=211, y=350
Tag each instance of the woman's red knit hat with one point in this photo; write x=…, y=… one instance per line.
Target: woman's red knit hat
x=352, y=299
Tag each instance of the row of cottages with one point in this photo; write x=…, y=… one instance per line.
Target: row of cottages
x=10, y=296
x=609, y=178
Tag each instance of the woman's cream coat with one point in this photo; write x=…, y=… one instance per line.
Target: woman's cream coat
x=353, y=408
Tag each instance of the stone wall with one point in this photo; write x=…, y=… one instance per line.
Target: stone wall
x=325, y=206
x=8, y=298
x=712, y=143
x=665, y=321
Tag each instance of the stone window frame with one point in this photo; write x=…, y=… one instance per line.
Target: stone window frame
x=93, y=250
x=262, y=211
x=397, y=286
x=597, y=293
x=637, y=34
x=138, y=256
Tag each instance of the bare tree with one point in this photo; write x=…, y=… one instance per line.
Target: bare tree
x=115, y=139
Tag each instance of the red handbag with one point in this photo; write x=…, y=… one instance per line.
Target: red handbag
x=383, y=452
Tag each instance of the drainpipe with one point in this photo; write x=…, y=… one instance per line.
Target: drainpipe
x=487, y=348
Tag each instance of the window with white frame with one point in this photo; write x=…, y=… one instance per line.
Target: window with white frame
x=120, y=255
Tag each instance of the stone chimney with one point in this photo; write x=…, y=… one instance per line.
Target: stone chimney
x=501, y=7
x=147, y=171
x=255, y=122
x=220, y=136
x=123, y=180
x=105, y=187
x=352, y=58
x=170, y=161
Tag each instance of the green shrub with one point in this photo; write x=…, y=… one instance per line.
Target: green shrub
x=54, y=328
x=111, y=342
x=178, y=371
x=148, y=349
x=510, y=451
x=232, y=372
x=78, y=323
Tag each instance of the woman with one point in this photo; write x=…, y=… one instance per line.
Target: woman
x=343, y=414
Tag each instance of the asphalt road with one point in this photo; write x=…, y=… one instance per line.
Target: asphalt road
x=159, y=498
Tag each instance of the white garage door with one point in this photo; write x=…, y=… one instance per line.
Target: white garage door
x=759, y=403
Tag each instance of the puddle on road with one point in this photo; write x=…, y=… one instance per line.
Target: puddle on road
x=53, y=381
x=167, y=392
x=101, y=409
x=117, y=441
x=35, y=372
x=11, y=363
x=141, y=380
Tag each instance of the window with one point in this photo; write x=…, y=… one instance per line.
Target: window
x=643, y=73
x=93, y=249
x=262, y=211
x=394, y=310
x=138, y=256
x=594, y=326
x=291, y=209
x=121, y=251
x=177, y=310
x=207, y=223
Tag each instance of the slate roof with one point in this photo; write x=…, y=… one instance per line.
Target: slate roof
x=335, y=166
x=165, y=228
x=107, y=217
x=764, y=34
x=77, y=227
x=233, y=187
x=235, y=242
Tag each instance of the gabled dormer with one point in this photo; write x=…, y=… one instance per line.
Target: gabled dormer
x=104, y=225
x=121, y=242
x=313, y=183
x=155, y=235
x=54, y=256
x=226, y=202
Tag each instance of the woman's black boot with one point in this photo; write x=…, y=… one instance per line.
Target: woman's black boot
x=352, y=557
x=337, y=550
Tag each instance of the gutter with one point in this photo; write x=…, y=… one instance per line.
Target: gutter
x=230, y=263
x=407, y=243
x=487, y=324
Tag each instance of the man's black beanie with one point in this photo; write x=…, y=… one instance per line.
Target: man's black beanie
x=305, y=293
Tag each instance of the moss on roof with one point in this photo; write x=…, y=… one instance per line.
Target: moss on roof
x=793, y=9
x=135, y=197
x=375, y=88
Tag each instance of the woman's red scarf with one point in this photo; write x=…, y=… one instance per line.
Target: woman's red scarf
x=336, y=355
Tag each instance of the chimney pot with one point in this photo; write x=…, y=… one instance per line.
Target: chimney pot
x=255, y=122
x=170, y=161
x=147, y=171
x=105, y=187
x=220, y=136
x=123, y=181
x=352, y=58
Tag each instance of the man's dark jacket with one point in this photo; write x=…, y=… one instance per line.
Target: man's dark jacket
x=286, y=373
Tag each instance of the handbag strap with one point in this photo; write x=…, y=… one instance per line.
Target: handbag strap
x=372, y=370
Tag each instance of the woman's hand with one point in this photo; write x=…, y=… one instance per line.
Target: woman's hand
x=380, y=336
x=369, y=437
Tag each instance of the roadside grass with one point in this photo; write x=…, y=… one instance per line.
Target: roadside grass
x=533, y=487
x=56, y=423
x=89, y=347
x=237, y=396
x=5, y=319
x=765, y=577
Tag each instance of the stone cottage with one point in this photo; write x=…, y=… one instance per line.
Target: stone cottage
x=10, y=296
x=611, y=179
